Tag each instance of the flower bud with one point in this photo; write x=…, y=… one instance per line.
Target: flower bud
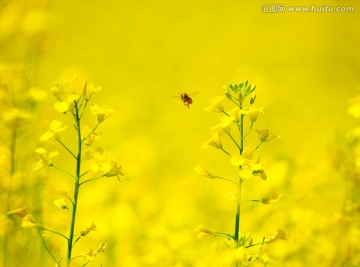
x=227, y=93
x=201, y=170
x=252, y=99
x=280, y=234
x=263, y=134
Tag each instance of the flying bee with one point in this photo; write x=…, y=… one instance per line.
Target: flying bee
x=186, y=98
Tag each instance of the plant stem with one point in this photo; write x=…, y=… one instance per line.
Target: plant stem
x=232, y=138
x=224, y=235
x=54, y=232
x=238, y=200
x=64, y=146
x=92, y=131
x=256, y=148
x=62, y=170
x=241, y=131
x=225, y=179
x=92, y=179
x=227, y=153
x=232, y=100
x=47, y=249
x=257, y=244
x=251, y=125
x=82, y=113
x=76, y=186
x=260, y=250
x=237, y=217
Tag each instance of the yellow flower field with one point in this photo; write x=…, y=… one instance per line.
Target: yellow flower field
x=179, y=133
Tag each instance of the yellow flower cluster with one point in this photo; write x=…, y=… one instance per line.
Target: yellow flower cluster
x=247, y=166
x=70, y=91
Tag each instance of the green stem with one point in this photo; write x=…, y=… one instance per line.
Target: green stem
x=225, y=113
x=241, y=129
x=236, y=103
x=82, y=113
x=251, y=125
x=47, y=249
x=238, y=200
x=102, y=176
x=76, y=186
x=77, y=239
x=92, y=131
x=237, y=217
x=76, y=257
x=224, y=235
x=227, y=153
x=84, y=174
x=64, y=146
x=86, y=263
x=256, y=244
x=59, y=169
x=54, y=232
x=225, y=179
x=260, y=250
x=256, y=148
x=72, y=202
x=232, y=138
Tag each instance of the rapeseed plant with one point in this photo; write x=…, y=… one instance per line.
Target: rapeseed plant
x=248, y=167
x=73, y=97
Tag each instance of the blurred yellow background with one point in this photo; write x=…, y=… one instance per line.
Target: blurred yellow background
x=306, y=66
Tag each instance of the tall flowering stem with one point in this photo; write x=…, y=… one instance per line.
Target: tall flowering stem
x=76, y=184
x=240, y=181
x=73, y=97
x=242, y=158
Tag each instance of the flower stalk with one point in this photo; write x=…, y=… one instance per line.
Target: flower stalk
x=242, y=158
x=72, y=100
x=239, y=188
x=76, y=185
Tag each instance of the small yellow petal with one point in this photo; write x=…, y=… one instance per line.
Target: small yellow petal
x=90, y=226
x=61, y=203
x=245, y=173
x=227, y=121
x=280, y=234
x=247, y=153
x=238, y=160
x=216, y=104
x=29, y=222
x=21, y=212
x=61, y=107
x=46, y=136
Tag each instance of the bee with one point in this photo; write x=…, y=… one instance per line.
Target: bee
x=186, y=98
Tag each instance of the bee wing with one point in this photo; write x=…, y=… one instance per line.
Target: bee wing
x=189, y=94
x=193, y=93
